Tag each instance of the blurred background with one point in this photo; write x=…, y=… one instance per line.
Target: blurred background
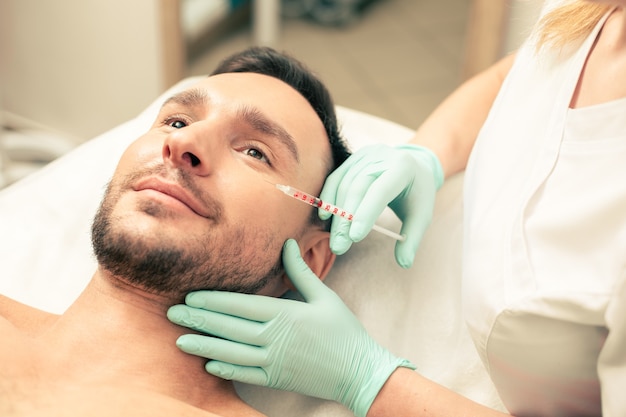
x=72, y=69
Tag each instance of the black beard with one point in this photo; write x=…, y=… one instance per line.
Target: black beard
x=159, y=267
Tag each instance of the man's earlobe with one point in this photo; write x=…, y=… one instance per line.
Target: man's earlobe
x=318, y=256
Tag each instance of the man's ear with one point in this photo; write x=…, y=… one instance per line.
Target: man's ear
x=315, y=250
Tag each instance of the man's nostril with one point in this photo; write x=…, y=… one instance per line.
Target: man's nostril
x=193, y=160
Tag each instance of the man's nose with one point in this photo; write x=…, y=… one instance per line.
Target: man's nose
x=185, y=148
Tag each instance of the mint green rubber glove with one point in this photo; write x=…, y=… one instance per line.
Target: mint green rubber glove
x=405, y=178
x=316, y=348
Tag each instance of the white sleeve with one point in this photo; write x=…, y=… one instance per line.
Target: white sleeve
x=612, y=359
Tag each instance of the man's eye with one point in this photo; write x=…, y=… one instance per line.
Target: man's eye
x=177, y=124
x=257, y=154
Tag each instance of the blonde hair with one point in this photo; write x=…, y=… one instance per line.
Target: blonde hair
x=568, y=23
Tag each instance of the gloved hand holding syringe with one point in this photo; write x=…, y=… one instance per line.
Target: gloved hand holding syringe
x=317, y=202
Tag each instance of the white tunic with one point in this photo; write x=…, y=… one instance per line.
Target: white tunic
x=545, y=243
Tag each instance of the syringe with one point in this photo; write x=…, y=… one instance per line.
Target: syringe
x=317, y=202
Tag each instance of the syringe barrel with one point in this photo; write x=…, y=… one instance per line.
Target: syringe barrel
x=337, y=211
x=316, y=202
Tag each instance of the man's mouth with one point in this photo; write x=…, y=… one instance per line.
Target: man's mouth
x=174, y=191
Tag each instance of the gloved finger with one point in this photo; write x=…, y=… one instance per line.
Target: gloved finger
x=247, y=306
x=353, y=199
x=413, y=228
x=217, y=324
x=247, y=375
x=353, y=186
x=222, y=350
x=376, y=161
x=331, y=185
x=340, y=235
x=306, y=282
x=338, y=182
x=380, y=194
x=362, y=167
x=376, y=195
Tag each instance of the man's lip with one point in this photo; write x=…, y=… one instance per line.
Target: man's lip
x=173, y=190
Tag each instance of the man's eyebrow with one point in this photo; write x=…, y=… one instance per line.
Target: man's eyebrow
x=259, y=122
x=189, y=98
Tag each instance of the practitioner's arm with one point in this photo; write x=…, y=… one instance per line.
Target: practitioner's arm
x=406, y=393
x=451, y=129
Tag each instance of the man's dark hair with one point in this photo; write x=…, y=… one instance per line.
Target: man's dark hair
x=267, y=61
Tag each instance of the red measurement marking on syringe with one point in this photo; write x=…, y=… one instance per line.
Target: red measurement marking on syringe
x=314, y=201
x=307, y=199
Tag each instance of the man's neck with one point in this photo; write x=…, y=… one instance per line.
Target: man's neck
x=113, y=332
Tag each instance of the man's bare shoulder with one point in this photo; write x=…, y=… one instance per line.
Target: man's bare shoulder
x=28, y=319
x=26, y=391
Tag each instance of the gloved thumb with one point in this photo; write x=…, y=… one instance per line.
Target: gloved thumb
x=413, y=229
x=306, y=282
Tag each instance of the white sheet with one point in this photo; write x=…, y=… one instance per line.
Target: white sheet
x=46, y=260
